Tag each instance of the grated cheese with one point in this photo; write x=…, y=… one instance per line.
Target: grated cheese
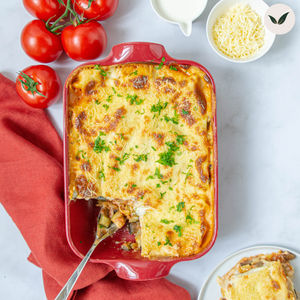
x=239, y=33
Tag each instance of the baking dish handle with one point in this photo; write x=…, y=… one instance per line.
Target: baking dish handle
x=136, y=52
x=142, y=270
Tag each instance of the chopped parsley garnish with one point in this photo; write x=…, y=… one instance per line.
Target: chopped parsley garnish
x=158, y=243
x=153, y=148
x=173, y=68
x=100, y=145
x=161, y=64
x=185, y=112
x=109, y=99
x=168, y=242
x=156, y=175
x=162, y=195
x=188, y=173
x=174, y=120
x=168, y=158
x=97, y=102
x=140, y=113
x=121, y=135
x=142, y=157
x=101, y=175
x=124, y=157
x=106, y=106
x=134, y=100
x=166, y=221
x=133, y=73
x=180, y=206
x=190, y=219
x=158, y=108
x=178, y=229
x=180, y=138
x=116, y=169
x=102, y=72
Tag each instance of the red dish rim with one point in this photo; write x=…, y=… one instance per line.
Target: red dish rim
x=129, y=269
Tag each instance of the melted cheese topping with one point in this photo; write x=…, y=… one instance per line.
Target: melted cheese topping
x=261, y=277
x=239, y=33
x=142, y=132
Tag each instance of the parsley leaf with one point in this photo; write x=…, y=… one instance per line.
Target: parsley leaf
x=109, y=99
x=142, y=157
x=134, y=100
x=106, y=106
x=188, y=173
x=180, y=138
x=121, y=136
x=156, y=175
x=190, y=219
x=158, y=108
x=167, y=242
x=161, y=64
x=162, y=195
x=180, y=206
x=133, y=73
x=178, y=229
x=166, y=221
x=99, y=145
x=140, y=113
x=168, y=158
x=174, y=120
x=101, y=175
x=102, y=72
x=124, y=157
x=114, y=168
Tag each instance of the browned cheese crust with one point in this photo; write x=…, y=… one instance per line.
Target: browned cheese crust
x=144, y=132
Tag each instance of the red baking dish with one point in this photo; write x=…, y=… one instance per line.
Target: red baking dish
x=81, y=215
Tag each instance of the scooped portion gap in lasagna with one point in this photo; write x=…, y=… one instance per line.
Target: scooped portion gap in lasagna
x=260, y=277
x=141, y=141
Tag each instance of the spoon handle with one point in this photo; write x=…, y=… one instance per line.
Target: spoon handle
x=66, y=290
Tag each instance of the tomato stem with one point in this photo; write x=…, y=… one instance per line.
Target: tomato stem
x=29, y=84
x=53, y=27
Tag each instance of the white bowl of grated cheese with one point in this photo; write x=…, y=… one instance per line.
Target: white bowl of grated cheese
x=236, y=31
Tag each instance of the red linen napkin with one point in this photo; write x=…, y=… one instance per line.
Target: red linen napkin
x=31, y=184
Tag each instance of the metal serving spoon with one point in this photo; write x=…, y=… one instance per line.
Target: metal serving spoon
x=66, y=290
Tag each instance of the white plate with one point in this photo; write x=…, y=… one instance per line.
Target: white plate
x=211, y=289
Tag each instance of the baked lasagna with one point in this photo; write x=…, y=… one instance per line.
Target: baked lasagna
x=141, y=141
x=261, y=277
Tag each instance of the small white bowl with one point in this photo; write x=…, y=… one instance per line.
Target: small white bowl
x=221, y=8
x=182, y=12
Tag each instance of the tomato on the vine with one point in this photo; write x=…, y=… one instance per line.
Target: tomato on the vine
x=96, y=9
x=39, y=86
x=39, y=43
x=85, y=41
x=45, y=9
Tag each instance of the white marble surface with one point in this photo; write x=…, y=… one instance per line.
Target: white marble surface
x=259, y=138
